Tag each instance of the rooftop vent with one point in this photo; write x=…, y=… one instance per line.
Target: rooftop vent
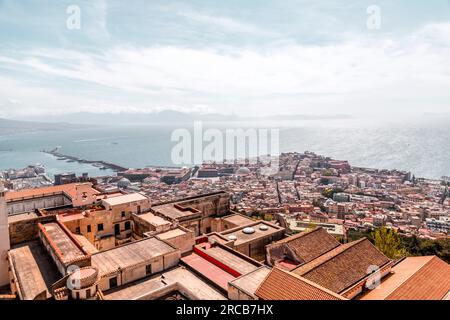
x=232, y=237
x=263, y=228
x=248, y=230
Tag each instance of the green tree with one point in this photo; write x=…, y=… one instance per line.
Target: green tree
x=412, y=245
x=389, y=242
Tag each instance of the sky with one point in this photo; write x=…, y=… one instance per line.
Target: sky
x=252, y=57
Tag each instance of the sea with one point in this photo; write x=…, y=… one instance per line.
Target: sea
x=421, y=146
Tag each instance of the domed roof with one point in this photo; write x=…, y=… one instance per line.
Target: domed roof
x=151, y=180
x=243, y=171
x=84, y=277
x=123, y=183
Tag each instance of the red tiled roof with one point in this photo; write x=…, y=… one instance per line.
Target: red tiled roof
x=309, y=245
x=430, y=282
x=286, y=264
x=69, y=189
x=283, y=285
x=343, y=266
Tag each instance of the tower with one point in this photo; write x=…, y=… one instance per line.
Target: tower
x=4, y=238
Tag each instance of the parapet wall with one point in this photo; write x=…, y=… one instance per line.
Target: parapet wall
x=210, y=205
x=27, y=230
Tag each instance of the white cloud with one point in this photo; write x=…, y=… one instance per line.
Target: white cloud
x=403, y=74
x=226, y=23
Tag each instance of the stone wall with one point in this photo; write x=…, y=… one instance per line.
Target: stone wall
x=184, y=242
x=27, y=230
x=210, y=205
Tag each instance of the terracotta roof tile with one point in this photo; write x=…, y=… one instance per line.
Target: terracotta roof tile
x=69, y=189
x=430, y=282
x=308, y=245
x=283, y=285
x=343, y=266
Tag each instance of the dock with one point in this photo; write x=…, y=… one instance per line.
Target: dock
x=97, y=163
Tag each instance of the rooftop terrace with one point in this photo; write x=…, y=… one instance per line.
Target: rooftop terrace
x=260, y=230
x=176, y=212
x=153, y=219
x=64, y=243
x=34, y=269
x=179, y=279
x=249, y=282
x=238, y=219
x=129, y=255
x=219, y=264
x=123, y=199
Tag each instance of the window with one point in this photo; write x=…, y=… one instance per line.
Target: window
x=77, y=230
x=127, y=225
x=88, y=293
x=148, y=269
x=89, y=228
x=123, y=214
x=100, y=227
x=113, y=282
x=77, y=294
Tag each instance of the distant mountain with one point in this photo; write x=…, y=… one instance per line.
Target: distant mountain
x=15, y=126
x=163, y=117
x=169, y=117
x=307, y=117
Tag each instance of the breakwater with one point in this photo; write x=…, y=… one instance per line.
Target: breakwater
x=96, y=163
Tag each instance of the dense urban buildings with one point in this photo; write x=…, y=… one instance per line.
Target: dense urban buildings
x=224, y=231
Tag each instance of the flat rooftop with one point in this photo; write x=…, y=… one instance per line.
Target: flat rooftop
x=173, y=212
x=208, y=270
x=22, y=217
x=179, y=279
x=215, y=237
x=154, y=220
x=67, y=217
x=242, y=237
x=171, y=234
x=34, y=269
x=89, y=247
x=109, y=195
x=64, y=243
x=250, y=282
x=231, y=260
x=124, y=199
x=238, y=219
x=130, y=254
